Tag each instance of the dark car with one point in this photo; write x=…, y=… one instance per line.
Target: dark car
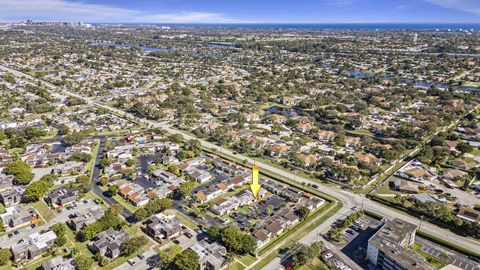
x=16, y=232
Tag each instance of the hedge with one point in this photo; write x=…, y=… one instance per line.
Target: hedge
x=373, y=214
x=447, y=244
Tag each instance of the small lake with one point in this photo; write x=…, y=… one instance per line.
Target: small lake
x=223, y=46
x=421, y=83
x=286, y=112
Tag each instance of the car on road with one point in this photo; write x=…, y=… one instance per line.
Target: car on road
x=16, y=232
x=315, y=186
x=10, y=235
x=141, y=256
x=33, y=225
x=355, y=208
x=132, y=262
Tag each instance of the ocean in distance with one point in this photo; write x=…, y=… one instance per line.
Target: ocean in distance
x=334, y=26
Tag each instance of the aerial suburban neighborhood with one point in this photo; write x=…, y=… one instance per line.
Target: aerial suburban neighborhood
x=199, y=147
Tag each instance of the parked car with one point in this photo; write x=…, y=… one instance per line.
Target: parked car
x=132, y=262
x=141, y=256
x=16, y=232
x=328, y=255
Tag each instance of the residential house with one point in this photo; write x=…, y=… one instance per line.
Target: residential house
x=274, y=228
x=138, y=199
x=11, y=196
x=161, y=226
x=59, y=263
x=108, y=243
x=405, y=186
x=261, y=237
x=88, y=216
x=212, y=256
x=6, y=181
x=32, y=246
x=224, y=206
x=18, y=216
x=200, y=176
x=326, y=136
x=452, y=174
x=468, y=213
x=352, y=142
x=62, y=196
x=308, y=160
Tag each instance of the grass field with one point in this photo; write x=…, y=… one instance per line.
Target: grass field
x=44, y=210
x=434, y=261
x=183, y=218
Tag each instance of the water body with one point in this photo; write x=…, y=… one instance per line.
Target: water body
x=286, y=112
x=223, y=46
x=421, y=83
x=143, y=48
x=335, y=26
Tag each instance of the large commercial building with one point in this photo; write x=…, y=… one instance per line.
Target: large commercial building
x=389, y=247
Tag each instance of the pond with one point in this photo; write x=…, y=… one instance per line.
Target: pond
x=288, y=112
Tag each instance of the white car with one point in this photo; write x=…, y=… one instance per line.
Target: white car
x=132, y=262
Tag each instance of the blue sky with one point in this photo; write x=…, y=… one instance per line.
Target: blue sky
x=243, y=11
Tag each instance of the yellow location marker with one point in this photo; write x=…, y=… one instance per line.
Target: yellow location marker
x=255, y=186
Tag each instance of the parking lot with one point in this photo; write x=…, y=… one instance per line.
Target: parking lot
x=459, y=260
x=356, y=239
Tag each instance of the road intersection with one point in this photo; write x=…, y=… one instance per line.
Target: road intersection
x=348, y=199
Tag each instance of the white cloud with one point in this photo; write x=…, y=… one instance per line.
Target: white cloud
x=339, y=3
x=472, y=6
x=61, y=10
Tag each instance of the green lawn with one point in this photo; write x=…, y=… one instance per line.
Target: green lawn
x=91, y=163
x=2, y=208
x=235, y=266
x=434, y=261
x=475, y=152
x=247, y=259
x=44, y=210
x=186, y=221
x=125, y=203
x=385, y=189
x=261, y=264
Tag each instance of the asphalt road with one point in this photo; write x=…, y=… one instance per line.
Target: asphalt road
x=349, y=199
x=96, y=182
